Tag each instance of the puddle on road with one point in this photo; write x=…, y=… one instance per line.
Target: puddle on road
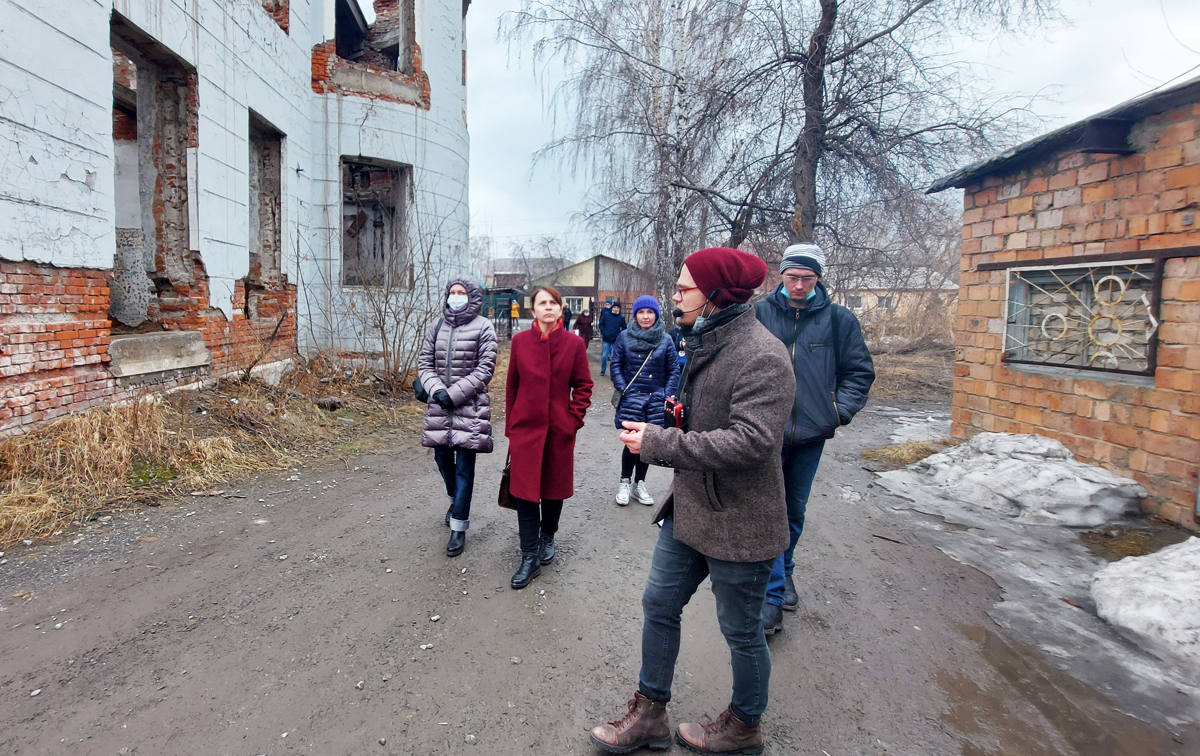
x=1113, y=542
x=989, y=722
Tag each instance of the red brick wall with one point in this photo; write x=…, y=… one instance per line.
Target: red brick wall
x=278, y=11
x=54, y=337
x=1085, y=204
x=325, y=60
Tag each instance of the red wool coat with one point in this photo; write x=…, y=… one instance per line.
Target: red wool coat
x=549, y=390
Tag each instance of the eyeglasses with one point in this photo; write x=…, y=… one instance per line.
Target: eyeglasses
x=681, y=290
x=793, y=280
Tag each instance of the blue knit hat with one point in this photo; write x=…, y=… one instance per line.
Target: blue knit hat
x=647, y=302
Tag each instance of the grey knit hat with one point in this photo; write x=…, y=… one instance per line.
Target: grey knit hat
x=808, y=256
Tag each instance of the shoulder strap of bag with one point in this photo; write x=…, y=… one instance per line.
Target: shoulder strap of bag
x=639, y=372
x=837, y=344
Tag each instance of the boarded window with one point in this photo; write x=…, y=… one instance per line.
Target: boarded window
x=1093, y=317
x=373, y=208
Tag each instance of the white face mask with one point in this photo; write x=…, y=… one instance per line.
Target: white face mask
x=457, y=301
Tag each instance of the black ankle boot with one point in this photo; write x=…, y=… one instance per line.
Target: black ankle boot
x=448, y=516
x=528, y=570
x=458, y=542
x=546, y=549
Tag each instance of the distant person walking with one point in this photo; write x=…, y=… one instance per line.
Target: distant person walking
x=645, y=368
x=514, y=314
x=548, y=393
x=612, y=322
x=455, y=366
x=583, y=328
x=834, y=372
x=566, y=318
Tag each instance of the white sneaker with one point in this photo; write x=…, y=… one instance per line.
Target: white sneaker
x=623, y=492
x=642, y=495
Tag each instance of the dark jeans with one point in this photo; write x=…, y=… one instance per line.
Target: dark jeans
x=676, y=571
x=631, y=463
x=799, y=469
x=457, y=466
x=533, y=520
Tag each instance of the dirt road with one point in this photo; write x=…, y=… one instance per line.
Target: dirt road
x=319, y=615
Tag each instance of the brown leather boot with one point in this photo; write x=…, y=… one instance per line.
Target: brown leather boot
x=645, y=724
x=722, y=736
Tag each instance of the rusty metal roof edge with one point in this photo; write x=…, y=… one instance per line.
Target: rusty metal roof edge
x=1135, y=109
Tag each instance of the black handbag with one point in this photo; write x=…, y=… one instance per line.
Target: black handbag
x=505, y=498
x=419, y=388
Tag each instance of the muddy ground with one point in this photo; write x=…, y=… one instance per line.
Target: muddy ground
x=320, y=615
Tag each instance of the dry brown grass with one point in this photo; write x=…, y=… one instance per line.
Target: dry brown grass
x=902, y=455
x=122, y=456
x=920, y=376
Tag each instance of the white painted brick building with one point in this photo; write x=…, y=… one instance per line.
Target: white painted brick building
x=211, y=168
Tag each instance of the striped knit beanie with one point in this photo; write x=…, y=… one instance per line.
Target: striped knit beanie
x=808, y=256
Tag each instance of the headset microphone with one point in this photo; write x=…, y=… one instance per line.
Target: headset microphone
x=677, y=312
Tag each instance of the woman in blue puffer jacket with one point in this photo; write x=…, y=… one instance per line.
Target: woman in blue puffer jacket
x=646, y=368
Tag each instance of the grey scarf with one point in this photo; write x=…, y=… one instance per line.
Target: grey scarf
x=644, y=340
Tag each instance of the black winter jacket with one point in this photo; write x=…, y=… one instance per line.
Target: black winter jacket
x=827, y=394
x=611, y=325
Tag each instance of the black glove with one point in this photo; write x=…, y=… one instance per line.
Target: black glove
x=443, y=399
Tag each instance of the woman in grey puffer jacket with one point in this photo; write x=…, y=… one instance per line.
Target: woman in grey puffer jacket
x=455, y=367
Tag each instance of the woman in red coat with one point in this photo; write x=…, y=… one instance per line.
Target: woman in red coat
x=549, y=390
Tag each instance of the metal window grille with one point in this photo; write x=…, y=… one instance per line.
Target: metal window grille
x=1090, y=317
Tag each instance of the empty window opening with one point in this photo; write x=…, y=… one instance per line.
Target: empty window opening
x=266, y=196
x=130, y=290
x=386, y=44
x=350, y=29
x=1095, y=317
x=154, y=136
x=884, y=302
x=854, y=301
x=374, y=201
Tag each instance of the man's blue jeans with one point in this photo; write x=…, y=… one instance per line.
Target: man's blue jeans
x=676, y=571
x=799, y=470
x=457, y=466
x=605, y=353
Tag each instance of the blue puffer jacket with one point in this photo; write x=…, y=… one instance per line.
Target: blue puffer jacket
x=828, y=394
x=643, y=400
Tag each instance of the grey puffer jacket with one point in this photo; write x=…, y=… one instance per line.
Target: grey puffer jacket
x=459, y=356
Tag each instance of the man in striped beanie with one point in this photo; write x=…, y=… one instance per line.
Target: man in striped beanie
x=833, y=375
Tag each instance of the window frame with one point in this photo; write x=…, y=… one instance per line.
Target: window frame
x=399, y=229
x=1013, y=273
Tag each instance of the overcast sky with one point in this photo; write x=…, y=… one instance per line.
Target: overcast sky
x=1108, y=51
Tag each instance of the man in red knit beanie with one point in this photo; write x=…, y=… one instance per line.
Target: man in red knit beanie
x=726, y=276
x=724, y=517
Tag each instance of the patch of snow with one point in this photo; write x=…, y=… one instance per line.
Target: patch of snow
x=1155, y=599
x=1030, y=478
x=1014, y=511
x=928, y=428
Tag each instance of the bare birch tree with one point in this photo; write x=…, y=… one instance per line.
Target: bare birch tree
x=766, y=120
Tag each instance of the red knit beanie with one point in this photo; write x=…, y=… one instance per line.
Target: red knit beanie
x=730, y=276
